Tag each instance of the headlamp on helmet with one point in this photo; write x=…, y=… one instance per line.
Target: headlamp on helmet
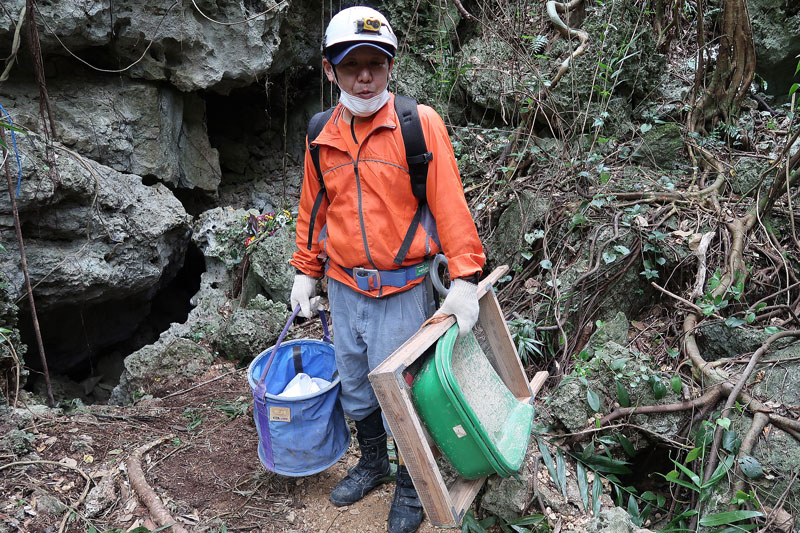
x=359, y=24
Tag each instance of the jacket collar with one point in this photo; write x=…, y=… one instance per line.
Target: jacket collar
x=385, y=117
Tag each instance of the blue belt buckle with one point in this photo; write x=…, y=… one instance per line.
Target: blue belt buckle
x=367, y=278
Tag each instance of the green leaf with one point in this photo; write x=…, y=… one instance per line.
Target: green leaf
x=626, y=444
x=633, y=510
x=793, y=89
x=728, y=517
x=622, y=395
x=771, y=330
x=583, y=486
x=649, y=496
x=675, y=383
x=597, y=492
x=621, y=250
x=750, y=467
x=693, y=454
x=546, y=264
x=730, y=441
x=593, y=399
x=724, y=423
x=735, y=322
x=644, y=128
x=601, y=463
x=719, y=473
x=691, y=475
x=673, y=476
x=548, y=461
x=609, y=257
x=618, y=364
x=561, y=470
x=530, y=520
x=659, y=389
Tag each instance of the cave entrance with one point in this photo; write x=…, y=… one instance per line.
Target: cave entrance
x=86, y=344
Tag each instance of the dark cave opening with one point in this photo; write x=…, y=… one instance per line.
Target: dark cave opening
x=86, y=344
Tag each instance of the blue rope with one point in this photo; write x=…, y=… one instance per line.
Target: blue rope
x=16, y=152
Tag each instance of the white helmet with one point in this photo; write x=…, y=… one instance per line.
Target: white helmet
x=359, y=24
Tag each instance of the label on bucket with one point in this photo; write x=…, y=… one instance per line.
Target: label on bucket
x=459, y=431
x=280, y=414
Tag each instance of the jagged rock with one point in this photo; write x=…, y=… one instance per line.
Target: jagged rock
x=634, y=372
x=614, y=520
x=631, y=80
x=132, y=126
x=660, y=146
x=521, y=217
x=94, y=234
x=510, y=498
x=101, y=496
x=776, y=34
x=99, y=245
x=18, y=442
x=489, y=80
x=219, y=235
x=178, y=44
x=248, y=332
x=716, y=340
x=614, y=330
x=81, y=444
x=48, y=504
x=157, y=366
x=270, y=270
x=746, y=175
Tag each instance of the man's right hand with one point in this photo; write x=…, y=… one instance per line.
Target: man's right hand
x=303, y=291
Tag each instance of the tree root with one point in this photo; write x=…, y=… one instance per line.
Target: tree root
x=145, y=493
x=569, y=33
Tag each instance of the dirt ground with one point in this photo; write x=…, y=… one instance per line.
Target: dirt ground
x=205, y=468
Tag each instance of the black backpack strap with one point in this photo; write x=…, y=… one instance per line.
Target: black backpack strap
x=417, y=157
x=417, y=154
x=315, y=126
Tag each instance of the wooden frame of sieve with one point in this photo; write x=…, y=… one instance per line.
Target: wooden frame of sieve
x=445, y=506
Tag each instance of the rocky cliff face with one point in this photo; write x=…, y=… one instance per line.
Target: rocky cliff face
x=107, y=202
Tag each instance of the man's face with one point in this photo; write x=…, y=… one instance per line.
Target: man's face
x=363, y=73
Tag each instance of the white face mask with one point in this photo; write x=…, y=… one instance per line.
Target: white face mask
x=361, y=107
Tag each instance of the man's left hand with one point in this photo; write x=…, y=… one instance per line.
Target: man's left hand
x=462, y=302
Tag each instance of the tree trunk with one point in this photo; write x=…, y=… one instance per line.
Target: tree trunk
x=735, y=67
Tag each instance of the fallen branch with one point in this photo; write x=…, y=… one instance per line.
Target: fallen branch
x=145, y=493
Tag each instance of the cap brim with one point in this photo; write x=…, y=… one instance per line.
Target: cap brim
x=341, y=55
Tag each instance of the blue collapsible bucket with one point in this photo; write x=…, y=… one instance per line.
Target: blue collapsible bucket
x=302, y=435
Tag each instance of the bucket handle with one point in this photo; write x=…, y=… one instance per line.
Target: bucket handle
x=261, y=389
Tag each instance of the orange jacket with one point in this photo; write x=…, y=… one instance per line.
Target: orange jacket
x=370, y=205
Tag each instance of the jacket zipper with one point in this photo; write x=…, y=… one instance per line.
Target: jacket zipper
x=360, y=208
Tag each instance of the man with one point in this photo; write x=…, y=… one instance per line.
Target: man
x=355, y=232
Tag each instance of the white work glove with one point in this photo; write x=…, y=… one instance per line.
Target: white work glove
x=462, y=302
x=303, y=291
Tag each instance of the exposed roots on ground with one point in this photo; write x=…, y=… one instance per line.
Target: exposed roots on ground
x=145, y=492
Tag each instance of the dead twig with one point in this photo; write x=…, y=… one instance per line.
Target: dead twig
x=184, y=391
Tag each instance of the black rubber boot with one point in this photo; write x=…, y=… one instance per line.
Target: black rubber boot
x=405, y=515
x=372, y=468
